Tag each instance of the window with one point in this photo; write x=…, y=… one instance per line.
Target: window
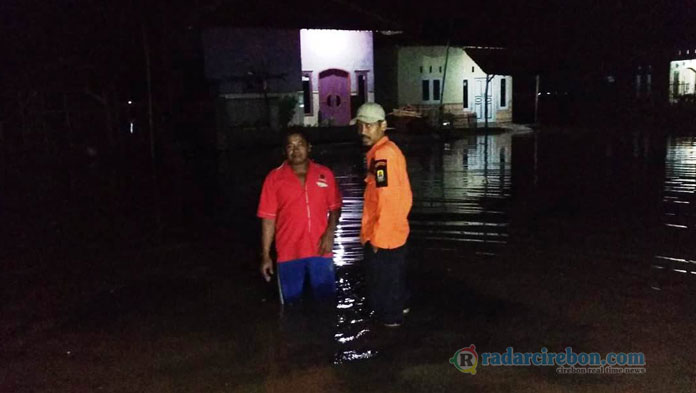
x=362, y=87
x=307, y=93
x=426, y=90
x=436, y=90
x=431, y=69
x=421, y=69
x=472, y=69
x=440, y=68
x=465, y=94
x=639, y=79
x=503, y=93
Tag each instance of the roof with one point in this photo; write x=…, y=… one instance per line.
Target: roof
x=500, y=61
x=309, y=14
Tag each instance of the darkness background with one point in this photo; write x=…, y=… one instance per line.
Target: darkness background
x=70, y=68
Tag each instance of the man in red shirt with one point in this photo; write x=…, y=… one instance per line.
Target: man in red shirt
x=299, y=206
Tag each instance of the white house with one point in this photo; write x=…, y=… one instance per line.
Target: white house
x=337, y=74
x=682, y=75
x=428, y=76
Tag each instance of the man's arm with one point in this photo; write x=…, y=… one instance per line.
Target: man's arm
x=267, y=234
x=326, y=241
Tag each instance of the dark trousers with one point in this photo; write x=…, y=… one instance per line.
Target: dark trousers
x=386, y=282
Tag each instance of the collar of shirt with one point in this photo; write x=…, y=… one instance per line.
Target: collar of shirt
x=287, y=168
x=377, y=145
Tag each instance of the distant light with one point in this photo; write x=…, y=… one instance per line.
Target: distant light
x=446, y=123
x=301, y=105
x=130, y=102
x=539, y=93
x=548, y=93
x=131, y=127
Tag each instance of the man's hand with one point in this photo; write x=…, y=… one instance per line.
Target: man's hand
x=326, y=242
x=266, y=267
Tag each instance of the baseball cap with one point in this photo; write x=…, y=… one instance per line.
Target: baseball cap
x=369, y=112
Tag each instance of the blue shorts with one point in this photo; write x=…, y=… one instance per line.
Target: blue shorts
x=320, y=272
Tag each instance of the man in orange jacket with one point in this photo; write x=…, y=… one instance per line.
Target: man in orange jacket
x=385, y=229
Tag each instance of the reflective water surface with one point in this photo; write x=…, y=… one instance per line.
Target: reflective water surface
x=624, y=194
x=678, y=211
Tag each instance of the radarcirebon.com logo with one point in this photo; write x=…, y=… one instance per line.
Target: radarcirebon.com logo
x=466, y=360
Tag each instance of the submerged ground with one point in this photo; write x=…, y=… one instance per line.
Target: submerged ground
x=550, y=239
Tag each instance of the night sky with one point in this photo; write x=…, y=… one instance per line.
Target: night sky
x=96, y=46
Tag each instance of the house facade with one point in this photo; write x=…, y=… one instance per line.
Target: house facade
x=279, y=77
x=423, y=83
x=337, y=75
x=682, y=75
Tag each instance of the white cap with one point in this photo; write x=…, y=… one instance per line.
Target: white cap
x=369, y=112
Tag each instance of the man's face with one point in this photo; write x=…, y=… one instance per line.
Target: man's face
x=297, y=149
x=371, y=132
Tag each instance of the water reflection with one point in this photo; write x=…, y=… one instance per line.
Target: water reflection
x=460, y=193
x=678, y=210
x=351, y=323
x=579, y=193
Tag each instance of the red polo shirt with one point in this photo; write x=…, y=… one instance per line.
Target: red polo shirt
x=300, y=212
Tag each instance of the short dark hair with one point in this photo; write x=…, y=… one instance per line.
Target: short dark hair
x=295, y=131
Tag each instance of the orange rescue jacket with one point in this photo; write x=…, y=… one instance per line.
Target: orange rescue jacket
x=388, y=197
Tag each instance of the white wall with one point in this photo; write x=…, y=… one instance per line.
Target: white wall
x=460, y=66
x=346, y=50
x=342, y=49
x=687, y=78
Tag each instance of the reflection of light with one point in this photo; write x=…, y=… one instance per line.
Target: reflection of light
x=353, y=355
x=339, y=253
x=344, y=340
x=682, y=260
x=131, y=127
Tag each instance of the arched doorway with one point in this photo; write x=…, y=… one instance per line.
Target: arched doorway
x=334, y=97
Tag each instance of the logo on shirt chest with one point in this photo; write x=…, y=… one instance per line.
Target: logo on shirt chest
x=379, y=169
x=322, y=181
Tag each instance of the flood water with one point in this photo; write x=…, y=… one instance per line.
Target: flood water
x=553, y=238
x=625, y=194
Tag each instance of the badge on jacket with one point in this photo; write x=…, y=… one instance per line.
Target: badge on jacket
x=381, y=175
x=322, y=181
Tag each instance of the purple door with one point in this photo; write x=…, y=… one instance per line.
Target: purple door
x=334, y=97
